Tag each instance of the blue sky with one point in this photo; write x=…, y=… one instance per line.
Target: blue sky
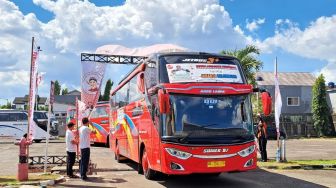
x=300, y=33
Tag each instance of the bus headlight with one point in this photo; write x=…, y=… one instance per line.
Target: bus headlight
x=177, y=153
x=247, y=151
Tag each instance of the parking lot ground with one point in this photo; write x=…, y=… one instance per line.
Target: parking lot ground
x=113, y=174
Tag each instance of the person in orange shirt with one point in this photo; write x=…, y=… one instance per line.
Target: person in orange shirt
x=262, y=138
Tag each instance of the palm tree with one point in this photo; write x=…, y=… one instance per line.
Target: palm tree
x=247, y=60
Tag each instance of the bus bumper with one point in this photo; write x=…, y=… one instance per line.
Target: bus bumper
x=178, y=159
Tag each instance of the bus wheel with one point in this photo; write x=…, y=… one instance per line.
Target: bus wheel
x=107, y=142
x=38, y=140
x=149, y=173
x=117, y=155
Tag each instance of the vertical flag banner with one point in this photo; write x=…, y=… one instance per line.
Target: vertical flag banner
x=39, y=78
x=81, y=111
x=52, y=96
x=278, y=100
x=32, y=95
x=92, y=77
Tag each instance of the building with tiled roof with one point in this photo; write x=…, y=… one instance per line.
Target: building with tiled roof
x=296, y=94
x=22, y=102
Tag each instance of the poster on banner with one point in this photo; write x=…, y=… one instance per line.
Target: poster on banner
x=92, y=76
x=186, y=72
x=32, y=95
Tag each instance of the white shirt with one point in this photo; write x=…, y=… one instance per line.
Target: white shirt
x=84, y=137
x=69, y=136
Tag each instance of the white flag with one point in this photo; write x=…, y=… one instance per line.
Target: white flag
x=278, y=100
x=32, y=95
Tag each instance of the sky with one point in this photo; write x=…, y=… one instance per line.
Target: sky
x=301, y=34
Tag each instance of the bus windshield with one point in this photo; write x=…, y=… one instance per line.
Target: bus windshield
x=199, y=68
x=190, y=117
x=99, y=111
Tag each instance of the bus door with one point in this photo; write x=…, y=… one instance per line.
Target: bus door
x=121, y=132
x=155, y=136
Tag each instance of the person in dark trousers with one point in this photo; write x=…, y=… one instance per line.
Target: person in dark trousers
x=262, y=138
x=84, y=145
x=70, y=143
x=23, y=143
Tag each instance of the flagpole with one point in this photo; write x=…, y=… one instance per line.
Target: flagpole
x=30, y=85
x=276, y=72
x=277, y=107
x=48, y=135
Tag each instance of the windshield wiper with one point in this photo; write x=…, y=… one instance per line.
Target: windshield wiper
x=183, y=139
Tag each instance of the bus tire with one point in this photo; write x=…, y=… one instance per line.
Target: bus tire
x=149, y=173
x=37, y=140
x=107, y=144
x=116, y=154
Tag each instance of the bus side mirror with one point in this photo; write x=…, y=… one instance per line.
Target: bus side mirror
x=266, y=103
x=141, y=83
x=164, y=103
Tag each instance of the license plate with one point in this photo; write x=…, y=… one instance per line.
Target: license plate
x=212, y=164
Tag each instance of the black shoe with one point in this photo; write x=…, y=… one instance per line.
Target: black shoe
x=84, y=178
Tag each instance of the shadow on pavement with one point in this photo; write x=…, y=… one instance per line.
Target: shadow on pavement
x=257, y=178
x=92, y=182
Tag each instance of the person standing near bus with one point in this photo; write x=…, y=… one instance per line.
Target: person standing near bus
x=262, y=138
x=84, y=145
x=70, y=142
x=23, y=143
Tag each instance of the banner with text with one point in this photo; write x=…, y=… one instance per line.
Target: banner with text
x=188, y=72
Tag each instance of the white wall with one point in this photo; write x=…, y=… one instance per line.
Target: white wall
x=331, y=98
x=61, y=108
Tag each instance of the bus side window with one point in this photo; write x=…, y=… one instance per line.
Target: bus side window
x=122, y=96
x=113, y=102
x=22, y=117
x=151, y=78
x=4, y=117
x=14, y=117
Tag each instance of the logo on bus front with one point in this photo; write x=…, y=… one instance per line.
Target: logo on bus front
x=215, y=150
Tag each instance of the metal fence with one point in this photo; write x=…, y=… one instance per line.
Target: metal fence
x=294, y=125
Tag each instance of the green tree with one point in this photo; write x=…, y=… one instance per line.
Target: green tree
x=65, y=91
x=108, y=87
x=248, y=61
x=8, y=105
x=57, y=90
x=320, y=108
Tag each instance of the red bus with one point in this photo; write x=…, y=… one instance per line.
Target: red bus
x=99, y=119
x=184, y=113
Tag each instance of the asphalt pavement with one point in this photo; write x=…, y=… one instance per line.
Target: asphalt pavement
x=113, y=174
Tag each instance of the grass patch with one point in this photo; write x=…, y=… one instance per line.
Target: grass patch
x=295, y=163
x=11, y=180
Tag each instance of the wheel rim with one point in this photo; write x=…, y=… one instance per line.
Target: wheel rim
x=144, y=162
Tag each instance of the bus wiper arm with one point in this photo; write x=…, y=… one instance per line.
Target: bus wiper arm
x=183, y=139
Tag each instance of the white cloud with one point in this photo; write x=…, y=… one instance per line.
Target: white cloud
x=329, y=72
x=80, y=26
x=316, y=41
x=255, y=24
